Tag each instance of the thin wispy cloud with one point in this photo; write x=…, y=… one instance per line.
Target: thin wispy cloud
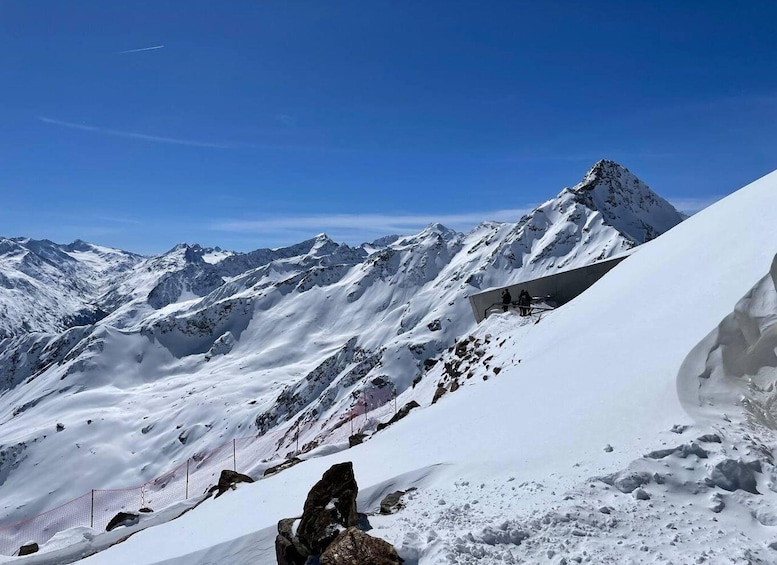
x=361, y=227
x=154, y=48
x=132, y=134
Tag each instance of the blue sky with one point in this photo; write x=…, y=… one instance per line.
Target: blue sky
x=262, y=123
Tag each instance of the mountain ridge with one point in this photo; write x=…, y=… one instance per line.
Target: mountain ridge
x=256, y=327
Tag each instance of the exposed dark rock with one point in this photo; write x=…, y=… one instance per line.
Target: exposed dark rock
x=401, y=413
x=392, y=502
x=734, y=475
x=60, y=426
x=145, y=510
x=28, y=549
x=429, y=363
x=122, y=519
x=434, y=325
x=288, y=549
x=282, y=466
x=626, y=481
x=364, y=522
x=641, y=494
x=329, y=508
x=682, y=450
x=353, y=547
x=441, y=390
x=356, y=439
x=709, y=438
x=227, y=480
x=661, y=453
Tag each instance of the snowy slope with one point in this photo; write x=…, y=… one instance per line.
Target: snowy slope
x=196, y=351
x=504, y=465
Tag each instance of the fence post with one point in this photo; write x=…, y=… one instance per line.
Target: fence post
x=187, y=479
x=234, y=455
x=91, y=519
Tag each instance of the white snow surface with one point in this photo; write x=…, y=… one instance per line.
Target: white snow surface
x=505, y=466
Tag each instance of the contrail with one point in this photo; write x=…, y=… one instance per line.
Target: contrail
x=132, y=134
x=141, y=49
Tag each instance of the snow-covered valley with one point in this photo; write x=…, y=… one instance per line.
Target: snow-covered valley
x=576, y=439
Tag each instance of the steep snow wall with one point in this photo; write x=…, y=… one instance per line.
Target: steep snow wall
x=733, y=370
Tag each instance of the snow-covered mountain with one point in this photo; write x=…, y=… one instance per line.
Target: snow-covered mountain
x=45, y=287
x=197, y=346
x=614, y=432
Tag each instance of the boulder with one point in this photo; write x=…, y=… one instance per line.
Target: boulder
x=28, y=549
x=356, y=439
x=734, y=475
x=354, y=547
x=282, y=466
x=392, y=502
x=288, y=549
x=626, y=481
x=228, y=480
x=401, y=413
x=329, y=508
x=122, y=519
x=438, y=394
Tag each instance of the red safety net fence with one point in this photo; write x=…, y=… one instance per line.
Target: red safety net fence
x=190, y=479
x=96, y=508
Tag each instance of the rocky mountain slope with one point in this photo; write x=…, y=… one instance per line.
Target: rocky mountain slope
x=197, y=346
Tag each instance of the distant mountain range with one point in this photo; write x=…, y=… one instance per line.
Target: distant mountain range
x=205, y=344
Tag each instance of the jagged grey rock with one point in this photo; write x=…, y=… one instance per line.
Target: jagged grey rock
x=734, y=475
x=354, y=547
x=227, y=480
x=626, y=481
x=329, y=508
x=28, y=549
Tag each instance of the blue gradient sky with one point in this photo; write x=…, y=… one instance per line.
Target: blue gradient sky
x=262, y=123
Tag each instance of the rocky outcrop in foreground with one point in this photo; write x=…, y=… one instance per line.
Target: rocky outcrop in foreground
x=330, y=529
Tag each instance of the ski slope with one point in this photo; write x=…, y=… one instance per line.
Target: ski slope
x=599, y=371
